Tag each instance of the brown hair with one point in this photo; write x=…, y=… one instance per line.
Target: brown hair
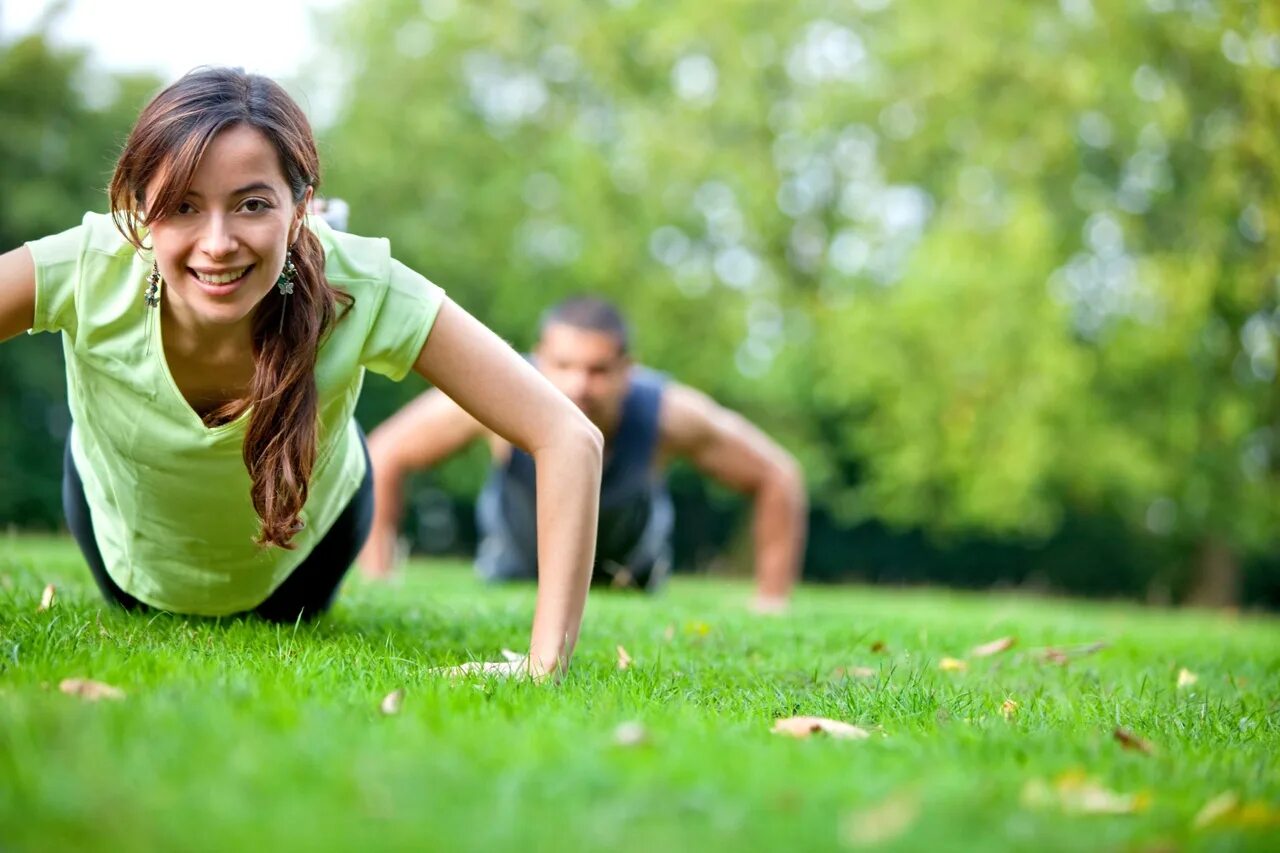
x=166, y=146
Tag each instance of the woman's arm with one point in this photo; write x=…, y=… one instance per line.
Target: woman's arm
x=17, y=292
x=502, y=391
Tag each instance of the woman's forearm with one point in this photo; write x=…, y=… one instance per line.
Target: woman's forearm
x=568, y=473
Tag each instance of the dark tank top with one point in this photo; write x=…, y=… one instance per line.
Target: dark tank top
x=629, y=486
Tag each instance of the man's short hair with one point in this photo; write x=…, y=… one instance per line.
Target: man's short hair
x=590, y=313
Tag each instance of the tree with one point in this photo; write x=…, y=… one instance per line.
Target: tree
x=980, y=265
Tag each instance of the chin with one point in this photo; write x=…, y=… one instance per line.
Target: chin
x=224, y=315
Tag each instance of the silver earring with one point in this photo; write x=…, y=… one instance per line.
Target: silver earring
x=152, y=296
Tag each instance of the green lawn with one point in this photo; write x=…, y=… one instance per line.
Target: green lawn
x=246, y=735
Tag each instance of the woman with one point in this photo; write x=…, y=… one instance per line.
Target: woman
x=216, y=338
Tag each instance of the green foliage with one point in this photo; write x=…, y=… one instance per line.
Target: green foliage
x=63, y=124
x=980, y=265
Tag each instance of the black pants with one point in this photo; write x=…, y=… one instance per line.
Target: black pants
x=308, y=591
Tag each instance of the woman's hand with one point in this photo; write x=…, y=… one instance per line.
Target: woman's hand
x=514, y=665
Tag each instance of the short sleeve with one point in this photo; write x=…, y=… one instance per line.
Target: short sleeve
x=402, y=322
x=58, y=261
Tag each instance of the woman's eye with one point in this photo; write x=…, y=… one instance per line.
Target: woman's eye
x=184, y=208
x=255, y=205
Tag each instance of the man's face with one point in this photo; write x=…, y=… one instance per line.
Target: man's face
x=588, y=367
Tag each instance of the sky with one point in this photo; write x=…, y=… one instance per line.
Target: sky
x=272, y=37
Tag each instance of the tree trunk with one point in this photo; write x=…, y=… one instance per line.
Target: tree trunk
x=1216, y=581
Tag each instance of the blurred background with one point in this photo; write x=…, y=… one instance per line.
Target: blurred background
x=1004, y=275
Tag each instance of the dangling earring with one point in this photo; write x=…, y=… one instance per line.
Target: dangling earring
x=152, y=296
x=288, y=276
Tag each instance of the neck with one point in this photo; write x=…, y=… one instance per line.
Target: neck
x=187, y=336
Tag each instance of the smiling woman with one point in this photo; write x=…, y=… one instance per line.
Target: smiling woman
x=216, y=340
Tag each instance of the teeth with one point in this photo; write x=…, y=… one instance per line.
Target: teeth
x=221, y=278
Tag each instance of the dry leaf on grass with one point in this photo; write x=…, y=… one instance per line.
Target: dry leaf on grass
x=1216, y=810
x=883, y=822
x=698, y=630
x=1009, y=709
x=852, y=672
x=805, y=726
x=630, y=733
x=46, y=598
x=994, y=647
x=391, y=702
x=89, y=690
x=1075, y=793
x=624, y=659
x=1186, y=678
x=878, y=647
x=1129, y=740
x=952, y=665
x=669, y=633
x=1227, y=810
x=1063, y=656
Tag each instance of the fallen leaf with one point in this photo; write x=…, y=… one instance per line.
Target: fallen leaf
x=1186, y=678
x=994, y=647
x=630, y=733
x=952, y=665
x=1216, y=809
x=883, y=822
x=6, y=581
x=697, y=629
x=1226, y=809
x=1009, y=709
x=878, y=647
x=1057, y=656
x=1129, y=740
x=1062, y=657
x=1075, y=793
x=669, y=633
x=624, y=659
x=391, y=702
x=46, y=599
x=89, y=690
x=853, y=672
x=805, y=726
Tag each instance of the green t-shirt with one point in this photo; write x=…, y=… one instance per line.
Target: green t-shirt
x=168, y=496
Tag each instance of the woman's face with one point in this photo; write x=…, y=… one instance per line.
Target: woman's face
x=222, y=250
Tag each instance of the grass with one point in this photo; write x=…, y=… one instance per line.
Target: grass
x=242, y=734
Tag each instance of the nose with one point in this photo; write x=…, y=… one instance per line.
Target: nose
x=218, y=240
x=576, y=386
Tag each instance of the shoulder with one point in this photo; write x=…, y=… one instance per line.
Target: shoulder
x=350, y=258
x=97, y=234
x=687, y=416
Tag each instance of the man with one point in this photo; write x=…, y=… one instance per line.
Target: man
x=647, y=420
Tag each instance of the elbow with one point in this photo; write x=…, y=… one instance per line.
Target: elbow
x=576, y=434
x=788, y=479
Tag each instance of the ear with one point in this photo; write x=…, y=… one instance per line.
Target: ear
x=299, y=212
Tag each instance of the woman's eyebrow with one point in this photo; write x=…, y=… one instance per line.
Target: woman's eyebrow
x=256, y=186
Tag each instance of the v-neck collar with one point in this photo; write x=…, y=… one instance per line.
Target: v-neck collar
x=156, y=341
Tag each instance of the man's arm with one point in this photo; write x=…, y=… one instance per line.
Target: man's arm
x=428, y=430
x=727, y=447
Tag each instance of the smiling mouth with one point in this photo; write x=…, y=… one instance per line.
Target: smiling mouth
x=221, y=279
